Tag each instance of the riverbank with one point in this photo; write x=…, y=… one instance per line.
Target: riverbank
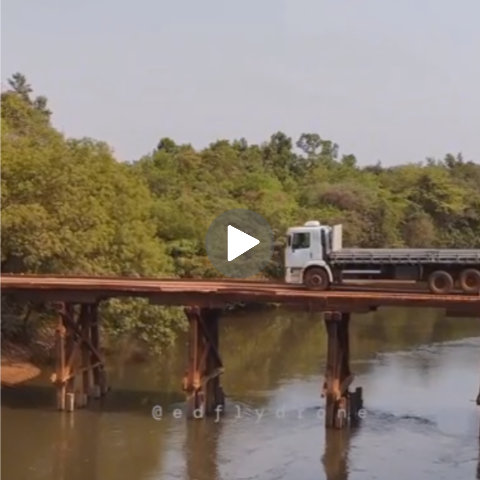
x=24, y=359
x=21, y=362
x=17, y=370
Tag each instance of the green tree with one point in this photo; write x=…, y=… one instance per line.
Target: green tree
x=68, y=206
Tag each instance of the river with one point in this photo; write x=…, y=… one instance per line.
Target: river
x=419, y=370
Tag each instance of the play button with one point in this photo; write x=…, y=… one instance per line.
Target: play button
x=239, y=243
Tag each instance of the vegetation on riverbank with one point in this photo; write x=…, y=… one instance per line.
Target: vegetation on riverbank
x=69, y=207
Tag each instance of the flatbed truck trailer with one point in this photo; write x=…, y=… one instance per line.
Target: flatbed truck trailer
x=315, y=258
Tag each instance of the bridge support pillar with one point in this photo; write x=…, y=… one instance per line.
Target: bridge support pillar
x=202, y=377
x=79, y=370
x=342, y=405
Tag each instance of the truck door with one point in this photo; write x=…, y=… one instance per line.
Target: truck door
x=299, y=250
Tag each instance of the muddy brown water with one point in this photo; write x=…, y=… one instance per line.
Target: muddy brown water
x=420, y=373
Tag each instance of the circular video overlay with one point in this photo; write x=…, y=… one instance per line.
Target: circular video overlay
x=239, y=243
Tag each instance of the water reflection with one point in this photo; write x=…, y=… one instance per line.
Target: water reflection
x=336, y=457
x=75, y=447
x=417, y=402
x=201, y=450
x=478, y=464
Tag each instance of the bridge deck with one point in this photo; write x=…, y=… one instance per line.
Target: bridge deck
x=218, y=292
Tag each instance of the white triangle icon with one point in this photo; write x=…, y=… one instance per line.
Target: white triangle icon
x=239, y=242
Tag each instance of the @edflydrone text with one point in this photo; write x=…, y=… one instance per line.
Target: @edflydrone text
x=255, y=414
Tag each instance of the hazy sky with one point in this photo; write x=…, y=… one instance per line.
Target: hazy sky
x=390, y=81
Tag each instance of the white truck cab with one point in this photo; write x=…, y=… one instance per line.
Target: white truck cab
x=306, y=254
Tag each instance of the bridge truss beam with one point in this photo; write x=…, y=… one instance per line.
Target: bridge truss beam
x=79, y=369
x=202, y=377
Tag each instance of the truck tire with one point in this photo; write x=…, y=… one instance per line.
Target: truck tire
x=470, y=280
x=440, y=282
x=316, y=278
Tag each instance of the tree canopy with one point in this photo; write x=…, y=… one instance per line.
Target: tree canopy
x=68, y=206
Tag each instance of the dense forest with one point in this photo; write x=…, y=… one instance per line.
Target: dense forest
x=68, y=206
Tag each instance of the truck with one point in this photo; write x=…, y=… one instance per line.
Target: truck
x=316, y=259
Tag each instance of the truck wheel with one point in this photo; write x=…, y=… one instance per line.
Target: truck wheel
x=440, y=282
x=470, y=280
x=316, y=279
